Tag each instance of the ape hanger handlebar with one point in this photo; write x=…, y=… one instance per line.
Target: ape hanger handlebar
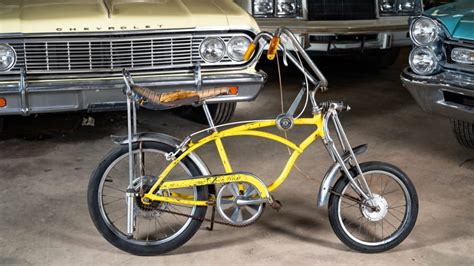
x=274, y=43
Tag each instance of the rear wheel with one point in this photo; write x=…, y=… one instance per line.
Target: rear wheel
x=156, y=231
x=220, y=112
x=464, y=132
x=381, y=227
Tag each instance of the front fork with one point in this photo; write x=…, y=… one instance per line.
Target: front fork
x=360, y=184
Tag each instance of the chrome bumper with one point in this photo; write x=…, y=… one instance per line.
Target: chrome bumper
x=105, y=94
x=435, y=93
x=384, y=33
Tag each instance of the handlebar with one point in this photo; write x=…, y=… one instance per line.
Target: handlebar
x=272, y=50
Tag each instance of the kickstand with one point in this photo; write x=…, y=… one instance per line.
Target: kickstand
x=213, y=215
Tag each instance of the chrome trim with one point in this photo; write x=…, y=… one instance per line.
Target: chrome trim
x=126, y=32
x=92, y=54
x=22, y=88
x=428, y=91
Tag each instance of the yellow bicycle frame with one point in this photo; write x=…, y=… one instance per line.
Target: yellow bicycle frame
x=230, y=176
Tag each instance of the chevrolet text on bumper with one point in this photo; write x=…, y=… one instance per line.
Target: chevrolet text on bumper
x=59, y=56
x=441, y=72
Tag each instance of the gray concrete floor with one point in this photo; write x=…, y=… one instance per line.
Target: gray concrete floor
x=44, y=217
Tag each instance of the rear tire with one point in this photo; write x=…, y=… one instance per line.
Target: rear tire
x=464, y=132
x=220, y=112
x=147, y=239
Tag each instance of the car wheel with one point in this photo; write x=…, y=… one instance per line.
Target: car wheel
x=220, y=112
x=464, y=132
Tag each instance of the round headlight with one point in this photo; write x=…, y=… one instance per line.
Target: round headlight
x=237, y=47
x=7, y=57
x=212, y=49
x=424, y=61
x=424, y=31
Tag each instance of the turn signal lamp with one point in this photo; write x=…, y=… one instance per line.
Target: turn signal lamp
x=3, y=102
x=233, y=90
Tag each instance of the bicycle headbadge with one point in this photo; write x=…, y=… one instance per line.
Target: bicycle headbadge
x=284, y=122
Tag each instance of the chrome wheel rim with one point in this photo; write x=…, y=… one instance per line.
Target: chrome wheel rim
x=381, y=226
x=143, y=233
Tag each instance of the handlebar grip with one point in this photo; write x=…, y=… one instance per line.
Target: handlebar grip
x=272, y=50
x=249, y=51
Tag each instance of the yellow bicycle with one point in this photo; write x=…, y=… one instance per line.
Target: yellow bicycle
x=150, y=194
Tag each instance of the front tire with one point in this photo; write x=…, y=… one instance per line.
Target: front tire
x=464, y=132
x=156, y=232
x=362, y=228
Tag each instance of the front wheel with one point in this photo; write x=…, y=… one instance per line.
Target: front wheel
x=390, y=219
x=156, y=230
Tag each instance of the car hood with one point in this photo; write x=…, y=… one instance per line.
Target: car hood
x=45, y=16
x=457, y=17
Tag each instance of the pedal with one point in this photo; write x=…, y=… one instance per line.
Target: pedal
x=276, y=205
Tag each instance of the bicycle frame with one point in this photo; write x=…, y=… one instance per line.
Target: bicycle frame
x=216, y=137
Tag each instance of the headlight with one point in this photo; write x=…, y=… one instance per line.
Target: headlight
x=237, y=47
x=406, y=6
x=399, y=7
x=212, y=49
x=286, y=8
x=263, y=7
x=424, y=61
x=7, y=57
x=387, y=6
x=423, y=31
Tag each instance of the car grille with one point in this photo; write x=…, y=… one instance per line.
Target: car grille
x=449, y=45
x=341, y=9
x=113, y=53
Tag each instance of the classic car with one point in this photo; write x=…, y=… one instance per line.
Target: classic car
x=374, y=29
x=67, y=55
x=441, y=72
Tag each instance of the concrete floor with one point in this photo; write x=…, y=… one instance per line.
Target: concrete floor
x=44, y=217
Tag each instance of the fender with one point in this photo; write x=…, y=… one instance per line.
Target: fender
x=333, y=171
x=169, y=140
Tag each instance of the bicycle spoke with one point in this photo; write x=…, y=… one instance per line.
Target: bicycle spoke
x=115, y=188
x=105, y=204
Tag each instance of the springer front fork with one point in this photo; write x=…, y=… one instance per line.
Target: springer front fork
x=356, y=178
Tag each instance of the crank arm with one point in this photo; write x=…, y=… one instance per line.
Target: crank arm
x=243, y=202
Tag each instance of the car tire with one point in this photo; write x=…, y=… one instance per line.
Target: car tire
x=464, y=132
x=220, y=112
